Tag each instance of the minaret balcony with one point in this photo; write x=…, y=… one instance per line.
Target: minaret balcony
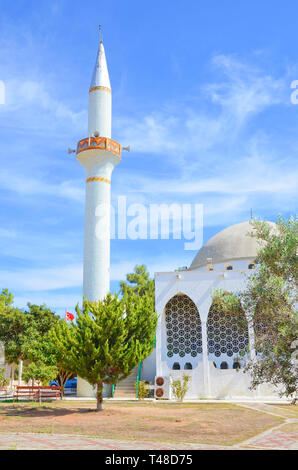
x=99, y=143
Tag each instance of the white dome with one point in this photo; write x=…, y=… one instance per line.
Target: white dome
x=230, y=244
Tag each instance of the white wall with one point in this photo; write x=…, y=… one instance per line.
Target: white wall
x=149, y=368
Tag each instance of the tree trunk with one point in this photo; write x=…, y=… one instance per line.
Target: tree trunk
x=12, y=372
x=20, y=372
x=99, y=396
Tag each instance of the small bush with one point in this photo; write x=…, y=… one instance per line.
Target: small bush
x=143, y=390
x=180, y=387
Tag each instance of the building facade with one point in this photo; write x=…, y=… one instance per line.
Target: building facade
x=193, y=336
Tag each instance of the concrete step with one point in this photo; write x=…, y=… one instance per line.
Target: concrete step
x=130, y=384
x=126, y=388
x=124, y=395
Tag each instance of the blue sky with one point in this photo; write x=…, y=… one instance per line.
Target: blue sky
x=201, y=92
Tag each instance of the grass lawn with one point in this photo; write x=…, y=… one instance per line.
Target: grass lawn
x=203, y=423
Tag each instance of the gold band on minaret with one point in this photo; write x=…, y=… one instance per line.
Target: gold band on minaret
x=98, y=178
x=104, y=88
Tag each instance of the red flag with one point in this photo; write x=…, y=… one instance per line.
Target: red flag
x=69, y=316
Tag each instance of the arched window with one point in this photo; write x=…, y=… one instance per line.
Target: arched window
x=215, y=365
x=251, y=266
x=224, y=365
x=176, y=366
x=227, y=334
x=183, y=326
x=229, y=267
x=236, y=365
x=188, y=366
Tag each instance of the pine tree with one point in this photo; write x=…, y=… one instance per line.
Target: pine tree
x=108, y=339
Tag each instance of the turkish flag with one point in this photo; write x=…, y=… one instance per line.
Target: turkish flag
x=69, y=316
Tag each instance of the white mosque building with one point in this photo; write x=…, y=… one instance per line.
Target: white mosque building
x=193, y=337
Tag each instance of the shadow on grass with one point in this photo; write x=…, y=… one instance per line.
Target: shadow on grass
x=43, y=411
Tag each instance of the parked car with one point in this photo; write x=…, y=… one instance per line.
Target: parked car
x=72, y=383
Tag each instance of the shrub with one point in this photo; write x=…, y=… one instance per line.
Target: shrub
x=180, y=387
x=143, y=389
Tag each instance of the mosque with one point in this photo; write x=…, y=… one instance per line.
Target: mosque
x=193, y=337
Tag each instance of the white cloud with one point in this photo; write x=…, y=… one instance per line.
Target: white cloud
x=247, y=91
x=58, y=277
x=30, y=104
x=186, y=129
x=26, y=186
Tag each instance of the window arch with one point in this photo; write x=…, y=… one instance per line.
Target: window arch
x=251, y=266
x=229, y=267
x=227, y=334
x=183, y=327
x=176, y=366
x=188, y=366
x=224, y=365
x=236, y=365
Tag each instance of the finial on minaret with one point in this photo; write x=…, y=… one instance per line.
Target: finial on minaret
x=100, y=34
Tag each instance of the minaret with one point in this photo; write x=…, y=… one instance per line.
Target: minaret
x=99, y=154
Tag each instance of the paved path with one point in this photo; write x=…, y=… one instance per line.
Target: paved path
x=67, y=442
x=274, y=439
x=278, y=438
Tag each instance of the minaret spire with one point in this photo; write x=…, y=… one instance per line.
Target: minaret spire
x=100, y=96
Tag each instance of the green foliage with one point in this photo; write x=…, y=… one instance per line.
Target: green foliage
x=13, y=327
x=25, y=336
x=270, y=301
x=139, y=283
x=180, y=387
x=142, y=389
x=40, y=373
x=3, y=380
x=108, y=340
x=20, y=331
x=6, y=299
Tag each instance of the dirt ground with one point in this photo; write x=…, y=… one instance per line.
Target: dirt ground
x=224, y=424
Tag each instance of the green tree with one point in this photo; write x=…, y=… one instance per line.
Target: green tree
x=40, y=372
x=41, y=351
x=270, y=301
x=138, y=283
x=108, y=340
x=6, y=299
x=25, y=336
x=13, y=327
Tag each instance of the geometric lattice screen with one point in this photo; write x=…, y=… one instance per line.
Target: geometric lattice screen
x=226, y=334
x=183, y=325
